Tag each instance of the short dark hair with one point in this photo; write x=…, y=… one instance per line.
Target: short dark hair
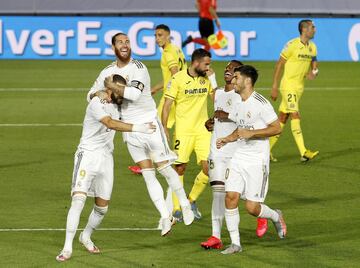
x=302, y=24
x=248, y=71
x=163, y=27
x=199, y=54
x=119, y=79
x=113, y=39
x=238, y=62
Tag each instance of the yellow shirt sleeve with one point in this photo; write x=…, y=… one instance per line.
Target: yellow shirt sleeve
x=172, y=89
x=288, y=50
x=170, y=59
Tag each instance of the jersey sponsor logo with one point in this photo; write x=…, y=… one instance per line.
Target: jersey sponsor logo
x=304, y=56
x=242, y=124
x=196, y=91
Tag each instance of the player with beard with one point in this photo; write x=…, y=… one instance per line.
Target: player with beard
x=94, y=167
x=189, y=89
x=139, y=107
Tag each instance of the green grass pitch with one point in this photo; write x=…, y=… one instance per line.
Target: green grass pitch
x=320, y=200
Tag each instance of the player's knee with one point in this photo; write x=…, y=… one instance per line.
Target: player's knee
x=180, y=169
x=295, y=115
x=78, y=201
x=100, y=210
x=283, y=117
x=231, y=200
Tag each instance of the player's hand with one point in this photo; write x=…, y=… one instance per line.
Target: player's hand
x=244, y=133
x=220, y=143
x=209, y=124
x=147, y=128
x=274, y=93
x=312, y=74
x=221, y=115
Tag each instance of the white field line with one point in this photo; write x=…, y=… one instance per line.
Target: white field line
x=63, y=229
x=84, y=89
x=41, y=125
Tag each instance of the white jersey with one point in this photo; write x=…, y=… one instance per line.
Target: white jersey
x=254, y=113
x=141, y=110
x=95, y=135
x=224, y=101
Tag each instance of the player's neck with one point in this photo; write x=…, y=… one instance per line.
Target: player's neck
x=121, y=63
x=192, y=72
x=228, y=87
x=304, y=40
x=246, y=93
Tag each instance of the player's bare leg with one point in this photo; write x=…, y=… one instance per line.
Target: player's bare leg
x=283, y=117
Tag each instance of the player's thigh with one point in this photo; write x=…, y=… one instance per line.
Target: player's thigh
x=206, y=27
x=85, y=170
x=183, y=147
x=290, y=101
x=217, y=168
x=103, y=183
x=138, y=153
x=257, y=180
x=158, y=146
x=234, y=182
x=202, y=146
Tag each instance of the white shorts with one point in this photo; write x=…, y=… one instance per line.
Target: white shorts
x=248, y=178
x=153, y=146
x=217, y=168
x=93, y=173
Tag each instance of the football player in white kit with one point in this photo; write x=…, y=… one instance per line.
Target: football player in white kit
x=224, y=99
x=138, y=106
x=93, y=173
x=248, y=170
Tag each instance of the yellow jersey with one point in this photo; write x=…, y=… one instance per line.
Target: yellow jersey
x=298, y=58
x=190, y=95
x=172, y=56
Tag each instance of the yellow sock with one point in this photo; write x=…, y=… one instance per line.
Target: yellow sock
x=274, y=139
x=200, y=183
x=176, y=204
x=298, y=136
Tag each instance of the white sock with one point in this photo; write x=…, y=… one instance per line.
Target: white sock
x=155, y=191
x=217, y=209
x=73, y=218
x=268, y=213
x=168, y=200
x=95, y=218
x=232, y=218
x=173, y=180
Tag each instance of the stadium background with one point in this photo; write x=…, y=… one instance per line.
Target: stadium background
x=43, y=104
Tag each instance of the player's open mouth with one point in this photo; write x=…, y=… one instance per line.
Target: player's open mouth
x=228, y=74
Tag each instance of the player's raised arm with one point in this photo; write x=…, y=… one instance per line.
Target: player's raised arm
x=276, y=78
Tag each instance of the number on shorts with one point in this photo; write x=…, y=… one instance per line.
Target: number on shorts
x=211, y=164
x=290, y=96
x=227, y=171
x=177, y=144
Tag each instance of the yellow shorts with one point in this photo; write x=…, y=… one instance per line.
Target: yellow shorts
x=185, y=145
x=290, y=101
x=171, y=119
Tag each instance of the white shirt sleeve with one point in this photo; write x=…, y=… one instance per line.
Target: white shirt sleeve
x=268, y=114
x=98, y=85
x=137, y=85
x=97, y=109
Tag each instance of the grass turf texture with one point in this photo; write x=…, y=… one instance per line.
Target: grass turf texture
x=319, y=199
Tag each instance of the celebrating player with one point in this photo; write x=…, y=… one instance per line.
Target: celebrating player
x=248, y=171
x=94, y=167
x=139, y=107
x=189, y=89
x=298, y=58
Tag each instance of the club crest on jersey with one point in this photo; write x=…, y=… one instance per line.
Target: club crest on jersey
x=310, y=49
x=202, y=81
x=229, y=102
x=248, y=115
